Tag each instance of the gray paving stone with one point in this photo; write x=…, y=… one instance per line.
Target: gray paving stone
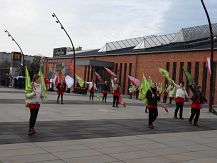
x=204, y=160
x=151, y=160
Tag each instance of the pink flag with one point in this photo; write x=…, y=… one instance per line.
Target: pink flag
x=135, y=81
x=165, y=108
x=208, y=64
x=99, y=77
x=121, y=101
x=112, y=74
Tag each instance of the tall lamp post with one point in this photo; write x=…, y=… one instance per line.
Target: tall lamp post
x=73, y=48
x=22, y=62
x=211, y=95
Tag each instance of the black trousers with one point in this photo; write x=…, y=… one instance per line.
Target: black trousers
x=171, y=98
x=153, y=114
x=195, y=114
x=59, y=97
x=165, y=99
x=179, y=107
x=33, y=117
x=115, y=101
x=104, y=97
x=91, y=95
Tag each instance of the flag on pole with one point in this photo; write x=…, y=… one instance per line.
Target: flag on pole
x=43, y=86
x=165, y=73
x=69, y=81
x=99, y=77
x=145, y=86
x=111, y=73
x=135, y=81
x=28, y=83
x=80, y=80
x=208, y=64
x=189, y=77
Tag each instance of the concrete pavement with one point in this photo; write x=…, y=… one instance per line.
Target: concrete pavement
x=82, y=131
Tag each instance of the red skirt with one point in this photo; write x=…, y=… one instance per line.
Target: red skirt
x=179, y=100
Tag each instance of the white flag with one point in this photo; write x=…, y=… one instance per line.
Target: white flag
x=69, y=81
x=208, y=64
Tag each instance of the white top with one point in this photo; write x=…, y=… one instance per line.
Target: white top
x=91, y=84
x=180, y=91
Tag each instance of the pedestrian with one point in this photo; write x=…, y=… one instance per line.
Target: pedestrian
x=137, y=92
x=60, y=90
x=152, y=99
x=197, y=100
x=181, y=95
x=105, y=91
x=131, y=91
x=92, y=88
x=116, y=92
x=33, y=102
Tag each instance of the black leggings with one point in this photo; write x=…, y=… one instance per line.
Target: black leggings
x=59, y=97
x=115, y=101
x=194, y=113
x=104, y=97
x=153, y=114
x=33, y=117
x=179, y=107
x=91, y=95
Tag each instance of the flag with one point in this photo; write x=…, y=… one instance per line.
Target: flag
x=28, y=83
x=208, y=64
x=121, y=101
x=112, y=74
x=164, y=107
x=145, y=86
x=160, y=88
x=135, y=81
x=80, y=81
x=165, y=73
x=69, y=81
x=189, y=77
x=99, y=77
x=42, y=83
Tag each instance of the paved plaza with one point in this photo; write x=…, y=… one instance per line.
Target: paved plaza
x=83, y=131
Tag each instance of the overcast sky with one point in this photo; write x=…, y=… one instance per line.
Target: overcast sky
x=92, y=23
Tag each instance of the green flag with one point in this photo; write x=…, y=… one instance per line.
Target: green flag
x=28, y=84
x=80, y=81
x=145, y=86
x=189, y=77
x=165, y=73
x=43, y=86
x=160, y=88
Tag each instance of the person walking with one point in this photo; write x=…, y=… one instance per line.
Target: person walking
x=116, y=92
x=105, y=91
x=33, y=102
x=152, y=99
x=60, y=91
x=92, y=88
x=181, y=95
x=197, y=100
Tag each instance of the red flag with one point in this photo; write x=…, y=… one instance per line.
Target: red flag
x=57, y=80
x=99, y=77
x=135, y=81
x=112, y=74
x=121, y=101
x=165, y=108
x=208, y=64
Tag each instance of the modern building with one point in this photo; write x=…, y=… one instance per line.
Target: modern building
x=186, y=49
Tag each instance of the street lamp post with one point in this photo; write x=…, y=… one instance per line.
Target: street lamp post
x=22, y=62
x=73, y=48
x=211, y=95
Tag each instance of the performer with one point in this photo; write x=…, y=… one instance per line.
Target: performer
x=60, y=91
x=105, y=91
x=152, y=97
x=131, y=91
x=92, y=88
x=33, y=102
x=181, y=94
x=137, y=92
x=197, y=101
x=165, y=94
x=116, y=92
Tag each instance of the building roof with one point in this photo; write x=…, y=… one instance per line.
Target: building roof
x=187, y=39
